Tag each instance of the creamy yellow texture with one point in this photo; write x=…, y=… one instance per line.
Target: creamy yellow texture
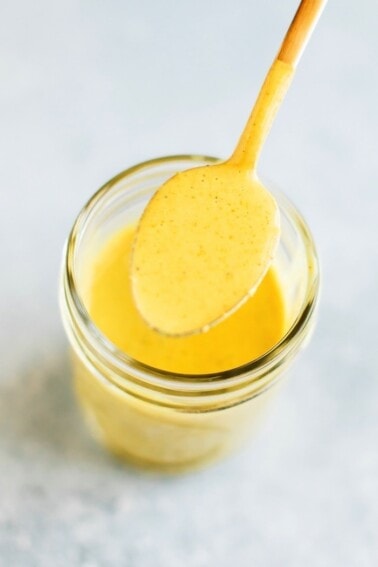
x=246, y=334
x=204, y=242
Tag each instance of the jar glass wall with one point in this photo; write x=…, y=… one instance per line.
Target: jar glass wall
x=150, y=416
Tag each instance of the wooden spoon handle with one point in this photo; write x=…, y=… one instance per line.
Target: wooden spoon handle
x=300, y=30
x=276, y=83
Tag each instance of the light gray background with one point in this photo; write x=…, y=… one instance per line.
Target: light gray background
x=90, y=87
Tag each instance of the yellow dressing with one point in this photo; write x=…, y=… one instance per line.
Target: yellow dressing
x=201, y=252
x=246, y=334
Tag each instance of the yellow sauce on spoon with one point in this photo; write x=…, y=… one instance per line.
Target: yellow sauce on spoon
x=209, y=234
x=207, y=252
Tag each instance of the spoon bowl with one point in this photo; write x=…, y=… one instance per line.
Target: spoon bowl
x=227, y=227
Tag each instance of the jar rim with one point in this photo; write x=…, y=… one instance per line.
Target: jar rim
x=131, y=368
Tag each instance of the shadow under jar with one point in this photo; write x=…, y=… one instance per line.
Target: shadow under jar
x=166, y=420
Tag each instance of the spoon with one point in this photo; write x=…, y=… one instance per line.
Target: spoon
x=209, y=234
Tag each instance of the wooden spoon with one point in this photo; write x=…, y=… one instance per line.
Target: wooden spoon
x=209, y=234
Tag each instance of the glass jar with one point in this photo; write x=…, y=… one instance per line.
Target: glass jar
x=156, y=418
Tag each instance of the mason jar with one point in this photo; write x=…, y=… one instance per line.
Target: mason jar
x=156, y=418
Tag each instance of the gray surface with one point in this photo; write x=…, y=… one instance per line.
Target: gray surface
x=89, y=88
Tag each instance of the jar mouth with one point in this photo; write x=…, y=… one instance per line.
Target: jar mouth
x=80, y=326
